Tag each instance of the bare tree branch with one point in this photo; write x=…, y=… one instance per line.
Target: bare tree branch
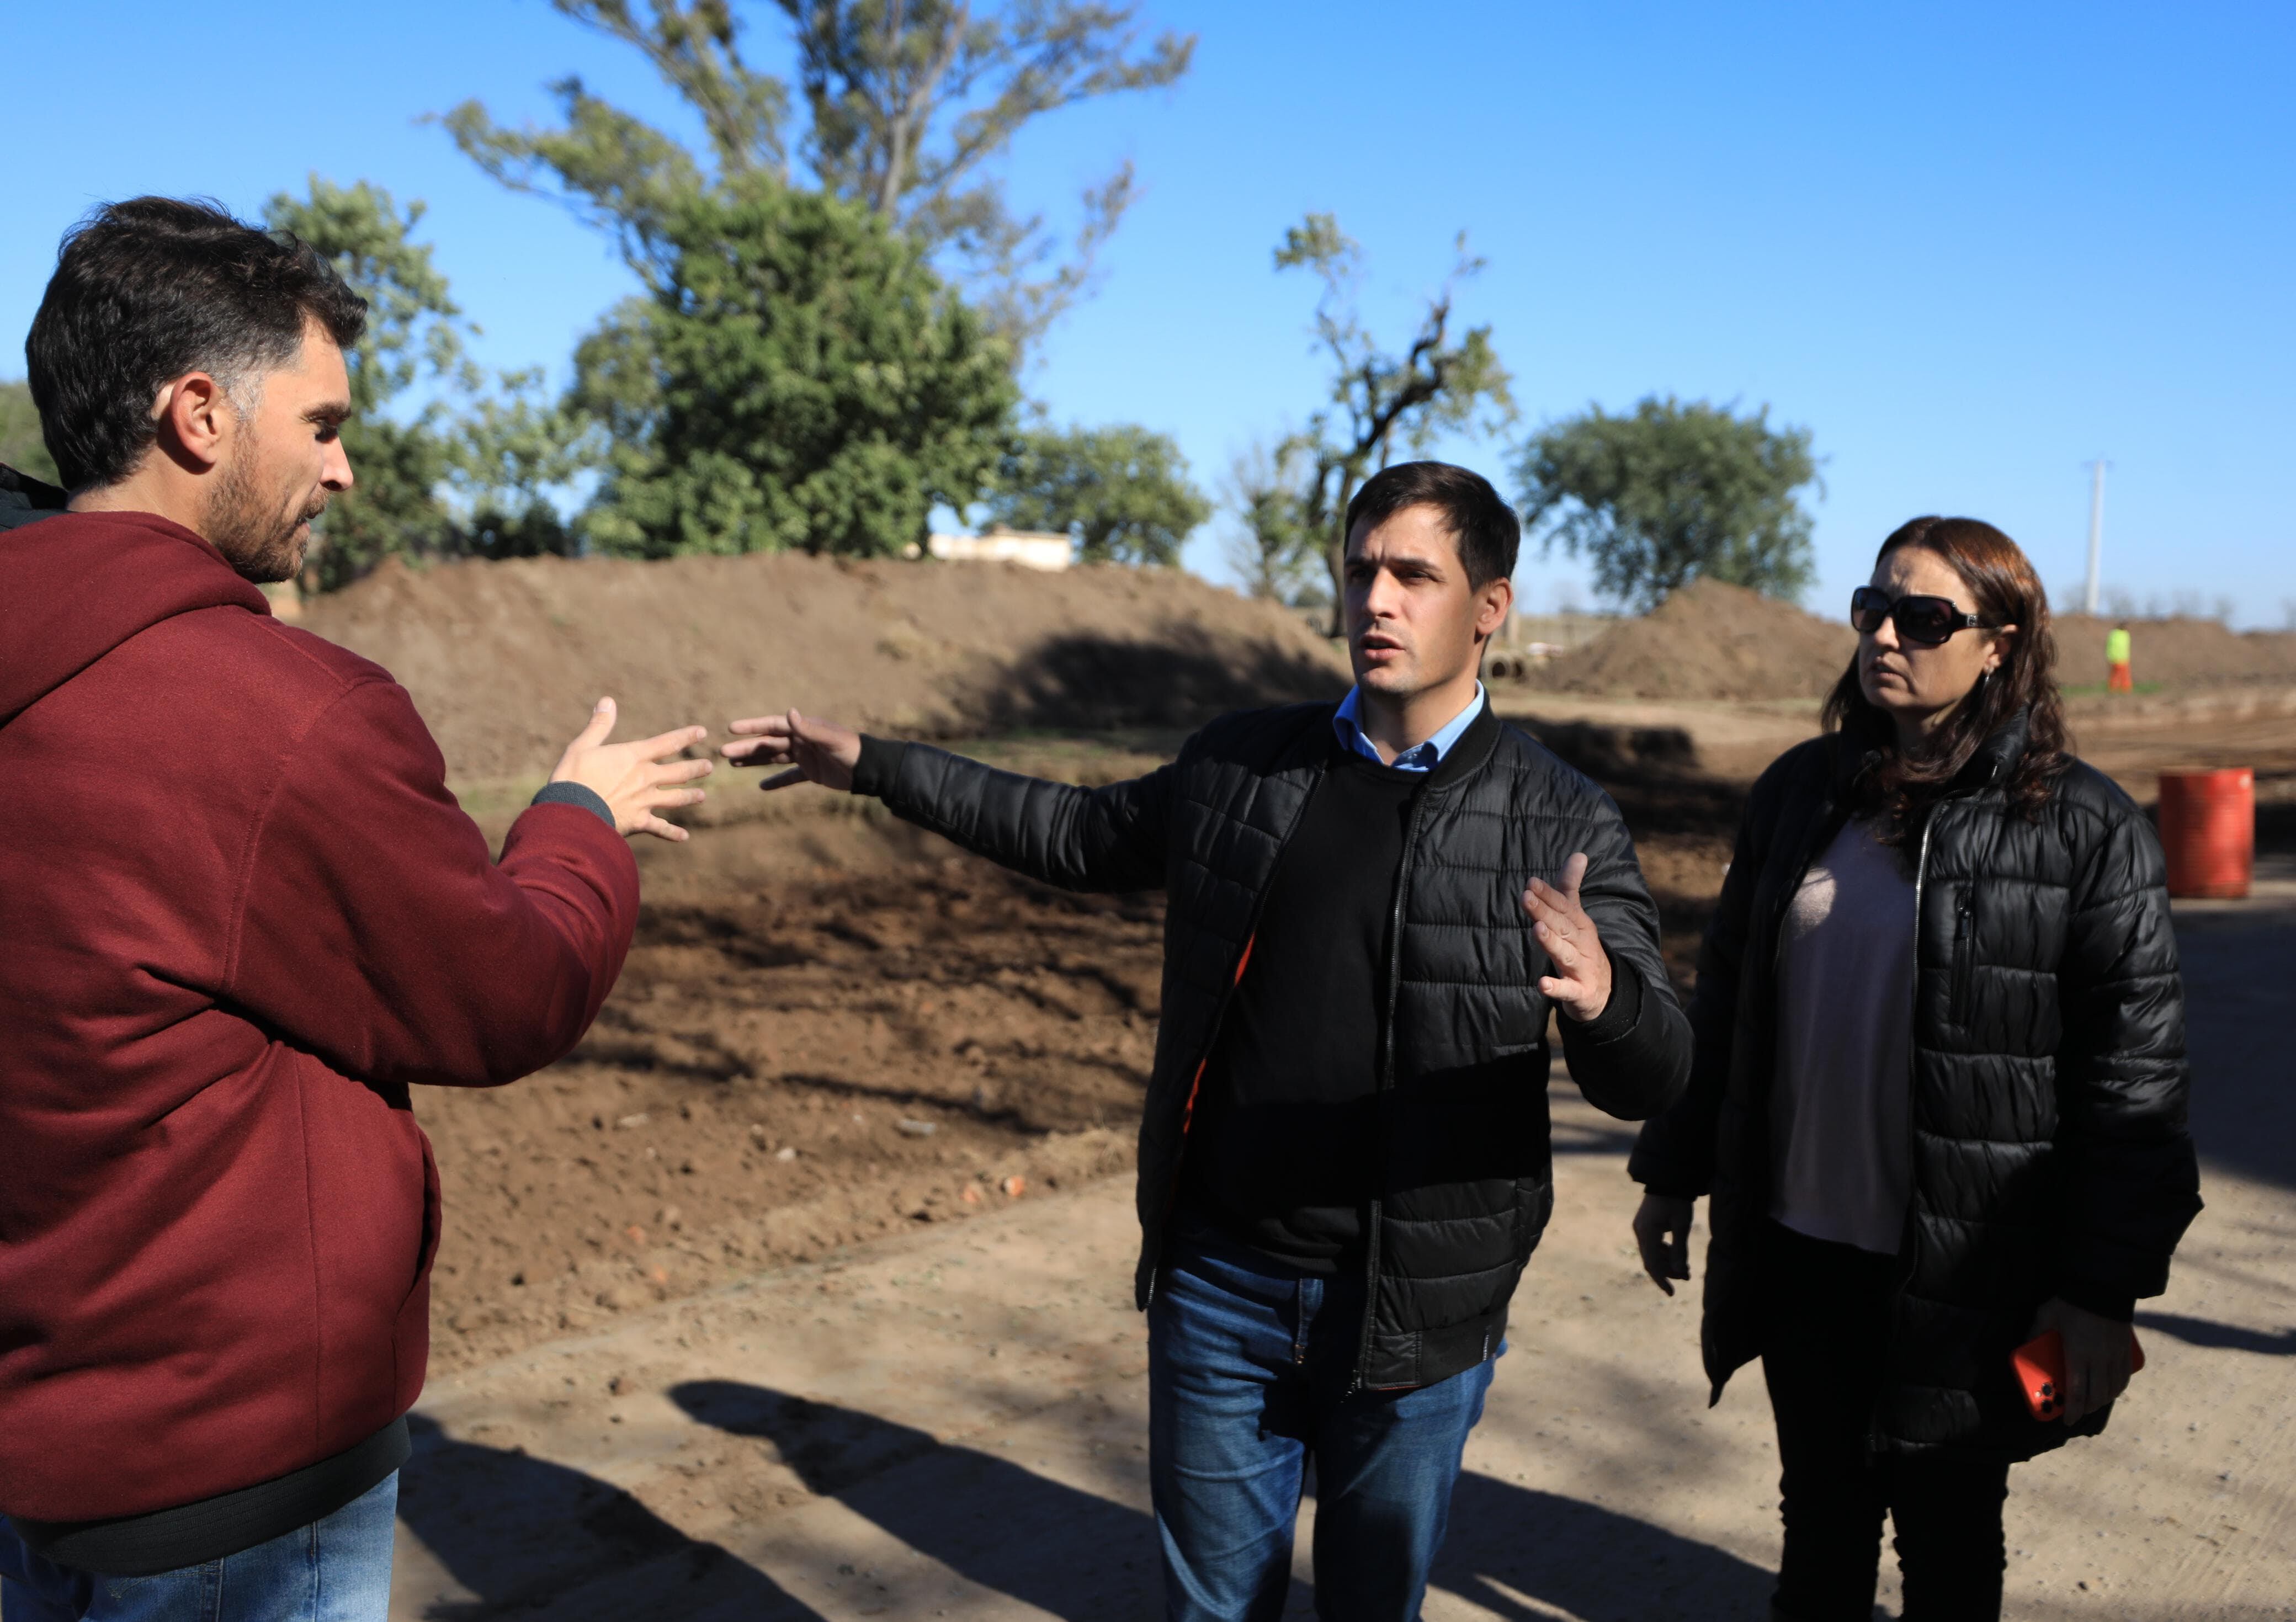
x=1436, y=386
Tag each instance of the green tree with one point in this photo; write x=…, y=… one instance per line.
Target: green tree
x=504, y=451
x=1278, y=553
x=1671, y=492
x=21, y=445
x=800, y=378
x=1122, y=493
x=909, y=103
x=1377, y=398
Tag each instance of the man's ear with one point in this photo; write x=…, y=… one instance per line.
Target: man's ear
x=1493, y=599
x=195, y=419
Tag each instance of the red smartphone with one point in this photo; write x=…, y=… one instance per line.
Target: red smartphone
x=2040, y=1365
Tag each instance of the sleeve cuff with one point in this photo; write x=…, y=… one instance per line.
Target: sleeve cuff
x=576, y=794
x=2103, y=1299
x=880, y=765
x=1621, y=1014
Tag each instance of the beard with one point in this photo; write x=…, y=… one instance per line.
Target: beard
x=257, y=524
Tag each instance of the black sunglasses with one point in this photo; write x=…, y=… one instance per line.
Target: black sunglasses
x=1926, y=622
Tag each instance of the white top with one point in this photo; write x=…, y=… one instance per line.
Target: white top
x=1841, y=1108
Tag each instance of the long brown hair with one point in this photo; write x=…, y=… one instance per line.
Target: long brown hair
x=1904, y=788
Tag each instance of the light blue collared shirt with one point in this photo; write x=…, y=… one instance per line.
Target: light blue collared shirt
x=1426, y=757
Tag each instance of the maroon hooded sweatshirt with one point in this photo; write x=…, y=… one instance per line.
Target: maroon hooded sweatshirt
x=239, y=915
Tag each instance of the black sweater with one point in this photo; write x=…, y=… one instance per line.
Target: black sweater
x=1280, y=1154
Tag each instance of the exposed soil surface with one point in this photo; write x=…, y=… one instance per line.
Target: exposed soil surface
x=1709, y=640
x=504, y=660
x=1715, y=642
x=2174, y=653
x=798, y=1056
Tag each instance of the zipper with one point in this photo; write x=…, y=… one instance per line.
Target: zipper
x=1912, y=1035
x=1907, y=1230
x=1964, y=954
x=1387, y=1075
x=1219, y=1013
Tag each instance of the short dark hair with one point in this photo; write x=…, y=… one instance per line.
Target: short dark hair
x=149, y=288
x=1487, y=532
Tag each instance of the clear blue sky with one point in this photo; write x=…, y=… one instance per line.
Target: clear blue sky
x=1970, y=246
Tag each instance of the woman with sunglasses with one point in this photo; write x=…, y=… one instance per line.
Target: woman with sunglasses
x=1939, y=1096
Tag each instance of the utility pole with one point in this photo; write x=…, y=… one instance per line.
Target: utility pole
x=2096, y=533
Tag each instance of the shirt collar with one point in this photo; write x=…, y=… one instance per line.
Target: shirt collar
x=1424, y=757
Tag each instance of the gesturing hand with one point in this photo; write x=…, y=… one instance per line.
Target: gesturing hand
x=1580, y=984
x=630, y=777
x=814, y=751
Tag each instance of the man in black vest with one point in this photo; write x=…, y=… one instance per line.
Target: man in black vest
x=1344, y=1159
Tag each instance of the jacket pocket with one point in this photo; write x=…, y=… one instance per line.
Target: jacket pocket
x=1964, y=952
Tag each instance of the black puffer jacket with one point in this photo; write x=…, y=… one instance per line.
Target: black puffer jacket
x=2050, y=1149
x=1466, y=1183
x=26, y=500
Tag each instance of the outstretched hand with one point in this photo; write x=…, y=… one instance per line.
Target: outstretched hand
x=632, y=778
x=813, y=750
x=1580, y=985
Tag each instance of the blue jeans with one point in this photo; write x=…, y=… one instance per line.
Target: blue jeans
x=336, y=1570
x=1248, y=1369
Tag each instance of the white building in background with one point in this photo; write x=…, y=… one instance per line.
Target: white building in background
x=1030, y=550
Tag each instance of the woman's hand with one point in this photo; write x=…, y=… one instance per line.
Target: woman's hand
x=631, y=778
x=1662, y=1232
x=2096, y=1355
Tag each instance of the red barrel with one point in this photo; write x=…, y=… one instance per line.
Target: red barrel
x=2208, y=831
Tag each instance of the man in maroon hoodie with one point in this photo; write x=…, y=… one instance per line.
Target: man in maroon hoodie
x=251, y=918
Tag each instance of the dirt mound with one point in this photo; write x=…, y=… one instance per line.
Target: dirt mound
x=1712, y=641
x=504, y=659
x=2175, y=652
x=1709, y=640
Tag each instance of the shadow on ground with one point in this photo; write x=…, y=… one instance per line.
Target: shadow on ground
x=2223, y=1337
x=1077, y=1556
x=530, y=1537
x=1068, y=1553
x=1524, y=1554
x=523, y=1535
x=2237, y=970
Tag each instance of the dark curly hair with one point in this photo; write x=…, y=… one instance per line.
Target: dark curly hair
x=149, y=288
x=1902, y=788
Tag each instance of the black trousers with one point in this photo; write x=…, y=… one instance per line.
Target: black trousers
x=1822, y=1357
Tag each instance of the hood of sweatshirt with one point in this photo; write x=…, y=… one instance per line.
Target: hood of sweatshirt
x=75, y=585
